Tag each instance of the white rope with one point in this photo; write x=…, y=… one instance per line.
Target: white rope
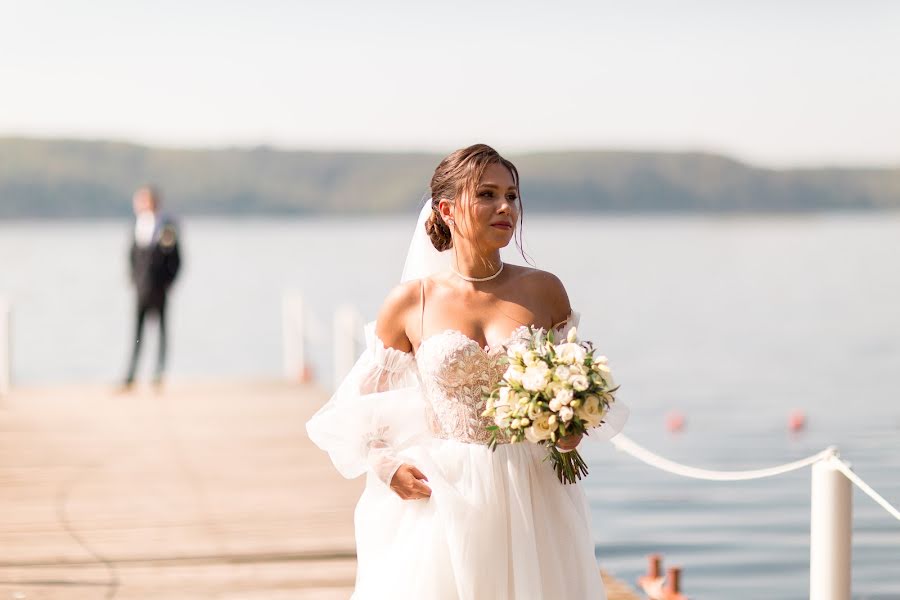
x=624, y=443
x=848, y=472
x=629, y=446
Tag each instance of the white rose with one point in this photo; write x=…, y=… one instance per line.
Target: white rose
x=530, y=358
x=579, y=382
x=601, y=360
x=566, y=414
x=535, y=378
x=563, y=396
x=533, y=382
x=540, y=429
x=591, y=411
x=570, y=353
x=561, y=372
x=555, y=405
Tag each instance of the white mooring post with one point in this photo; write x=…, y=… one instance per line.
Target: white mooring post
x=831, y=528
x=5, y=347
x=293, y=336
x=347, y=323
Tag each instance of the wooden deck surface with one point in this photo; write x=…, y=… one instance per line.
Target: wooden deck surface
x=205, y=490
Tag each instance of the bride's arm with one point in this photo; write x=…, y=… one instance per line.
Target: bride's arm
x=399, y=305
x=390, y=327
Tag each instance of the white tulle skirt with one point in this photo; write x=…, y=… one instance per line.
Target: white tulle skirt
x=498, y=526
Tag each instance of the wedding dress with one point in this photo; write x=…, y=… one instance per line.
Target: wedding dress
x=498, y=525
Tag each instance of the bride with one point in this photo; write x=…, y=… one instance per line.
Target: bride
x=442, y=516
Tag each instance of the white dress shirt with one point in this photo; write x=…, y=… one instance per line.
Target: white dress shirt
x=144, y=228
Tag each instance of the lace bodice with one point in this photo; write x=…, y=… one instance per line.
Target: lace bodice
x=454, y=370
x=391, y=398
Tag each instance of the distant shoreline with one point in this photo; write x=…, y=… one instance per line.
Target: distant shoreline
x=71, y=179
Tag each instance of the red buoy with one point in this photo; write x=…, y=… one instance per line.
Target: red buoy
x=797, y=420
x=674, y=421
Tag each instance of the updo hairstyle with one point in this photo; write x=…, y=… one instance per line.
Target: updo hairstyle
x=458, y=173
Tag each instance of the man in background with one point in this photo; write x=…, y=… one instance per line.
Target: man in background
x=154, y=260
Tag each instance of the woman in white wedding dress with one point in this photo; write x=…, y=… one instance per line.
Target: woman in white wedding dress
x=442, y=516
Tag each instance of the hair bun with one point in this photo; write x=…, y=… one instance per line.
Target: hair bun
x=438, y=231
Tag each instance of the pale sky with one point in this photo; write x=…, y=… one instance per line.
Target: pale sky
x=777, y=83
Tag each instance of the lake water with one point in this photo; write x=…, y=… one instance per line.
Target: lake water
x=733, y=322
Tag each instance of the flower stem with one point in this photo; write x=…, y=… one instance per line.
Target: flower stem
x=569, y=466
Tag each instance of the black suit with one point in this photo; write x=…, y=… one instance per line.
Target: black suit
x=153, y=270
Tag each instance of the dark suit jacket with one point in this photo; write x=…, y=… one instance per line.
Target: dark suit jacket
x=154, y=267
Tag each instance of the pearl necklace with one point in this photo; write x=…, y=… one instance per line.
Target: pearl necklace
x=488, y=278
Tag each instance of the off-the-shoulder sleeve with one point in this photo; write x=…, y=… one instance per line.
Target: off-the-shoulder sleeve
x=561, y=329
x=617, y=415
x=376, y=411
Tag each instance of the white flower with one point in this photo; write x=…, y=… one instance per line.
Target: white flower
x=530, y=358
x=561, y=372
x=591, y=412
x=606, y=374
x=514, y=374
x=601, y=360
x=515, y=351
x=552, y=388
x=570, y=353
x=564, y=396
x=540, y=429
x=503, y=397
x=566, y=414
x=573, y=336
x=534, y=410
x=555, y=405
x=542, y=367
x=535, y=377
x=579, y=382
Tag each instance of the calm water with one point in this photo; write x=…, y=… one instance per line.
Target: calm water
x=734, y=322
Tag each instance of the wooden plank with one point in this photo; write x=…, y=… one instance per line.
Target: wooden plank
x=205, y=490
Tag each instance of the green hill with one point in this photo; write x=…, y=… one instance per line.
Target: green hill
x=68, y=178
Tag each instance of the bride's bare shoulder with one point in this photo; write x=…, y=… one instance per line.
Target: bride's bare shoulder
x=547, y=289
x=398, y=305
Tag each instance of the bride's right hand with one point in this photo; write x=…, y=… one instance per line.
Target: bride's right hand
x=407, y=483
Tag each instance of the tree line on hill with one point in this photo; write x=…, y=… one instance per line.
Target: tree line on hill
x=45, y=178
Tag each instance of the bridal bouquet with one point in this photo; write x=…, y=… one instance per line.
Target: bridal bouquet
x=549, y=391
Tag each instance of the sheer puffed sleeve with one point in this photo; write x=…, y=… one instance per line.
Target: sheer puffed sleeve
x=376, y=411
x=617, y=415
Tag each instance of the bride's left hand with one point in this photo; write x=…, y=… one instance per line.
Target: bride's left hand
x=569, y=442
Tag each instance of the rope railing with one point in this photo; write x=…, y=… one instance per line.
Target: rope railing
x=629, y=446
x=865, y=487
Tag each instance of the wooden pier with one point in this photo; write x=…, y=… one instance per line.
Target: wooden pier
x=199, y=490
